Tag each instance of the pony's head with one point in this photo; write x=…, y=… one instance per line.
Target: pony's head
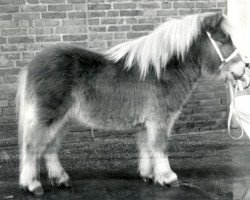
x=201, y=40
x=217, y=54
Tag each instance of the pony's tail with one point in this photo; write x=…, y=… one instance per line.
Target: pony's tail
x=20, y=107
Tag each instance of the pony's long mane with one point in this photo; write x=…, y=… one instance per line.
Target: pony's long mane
x=172, y=38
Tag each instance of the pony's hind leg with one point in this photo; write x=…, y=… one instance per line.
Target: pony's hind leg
x=56, y=173
x=31, y=149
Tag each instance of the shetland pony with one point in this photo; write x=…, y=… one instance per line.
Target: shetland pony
x=138, y=85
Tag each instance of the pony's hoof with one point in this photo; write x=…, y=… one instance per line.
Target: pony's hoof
x=66, y=184
x=175, y=184
x=63, y=184
x=37, y=191
x=147, y=179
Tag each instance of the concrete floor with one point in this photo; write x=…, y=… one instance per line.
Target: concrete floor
x=209, y=165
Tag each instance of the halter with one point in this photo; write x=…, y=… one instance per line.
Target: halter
x=223, y=60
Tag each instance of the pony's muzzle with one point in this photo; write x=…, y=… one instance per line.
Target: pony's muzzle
x=238, y=71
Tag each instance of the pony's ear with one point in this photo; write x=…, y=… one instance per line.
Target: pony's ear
x=213, y=21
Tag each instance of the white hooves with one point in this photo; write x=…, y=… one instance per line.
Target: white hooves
x=169, y=179
x=62, y=181
x=33, y=188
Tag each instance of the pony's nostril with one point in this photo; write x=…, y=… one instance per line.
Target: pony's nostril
x=247, y=65
x=237, y=76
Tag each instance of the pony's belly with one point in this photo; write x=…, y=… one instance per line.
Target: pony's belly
x=110, y=121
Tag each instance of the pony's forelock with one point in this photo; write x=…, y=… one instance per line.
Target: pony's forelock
x=227, y=26
x=172, y=38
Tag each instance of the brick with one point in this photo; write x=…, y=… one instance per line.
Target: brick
x=80, y=44
x=124, y=6
x=98, y=6
x=119, y=28
x=114, y=43
x=131, y=13
x=8, y=126
x=25, y=23
x=119, y=36
x=27, y=55
x=97, y=14
x=8, y=24
x=41, y=31
x=71, y=30
x=50, y=38
x=80, y=7
x=205, y=4
x=112, y=21
x=3, y=40
x=141, y=27
x=166, y=12
x=9, y=111
x=99, y=44
x=10, y=2
x=54, y=15
x=200, y=117
x=5, y=16
x=97, y=29
x=149, y=5
x=74, y=37
x=104, y=36
x=96, y=1
x=183, y=5
x=133, y=35
x=8, y=119
x=26, y=39
x=60, y=7
x=52, y=1
x=187, y=111
x=14, y=47
x=9, y=71
x=46, y=23
x=76, y=1
x=131, y=20
x=210, y=102
x=27, y=16
x=22, y=63
x=149, y=13
x=112, y=13
x=77, y=15
x=10, y=56
x=73, y=22
x=222, y=4
x=32, y=1
x=166, y=5
x=33, y=8
x=6, y=63
x=202, y=96
x=147, y=20
x=211, y=109
x=14, y=32
x=215, y=10
x=4, y=103
x=188, y=11
x=94, y=21
x=8, y=9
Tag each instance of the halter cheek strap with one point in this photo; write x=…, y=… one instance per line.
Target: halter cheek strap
x=224, y=60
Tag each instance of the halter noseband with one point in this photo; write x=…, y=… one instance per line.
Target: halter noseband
x=223, y=60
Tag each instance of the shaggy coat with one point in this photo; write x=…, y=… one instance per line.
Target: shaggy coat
x=138, y=85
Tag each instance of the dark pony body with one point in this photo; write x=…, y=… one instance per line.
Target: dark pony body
x=105, y=91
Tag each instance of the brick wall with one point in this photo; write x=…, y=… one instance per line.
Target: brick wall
x=27, y=26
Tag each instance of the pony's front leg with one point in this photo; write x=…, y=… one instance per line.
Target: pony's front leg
x=154, y=163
